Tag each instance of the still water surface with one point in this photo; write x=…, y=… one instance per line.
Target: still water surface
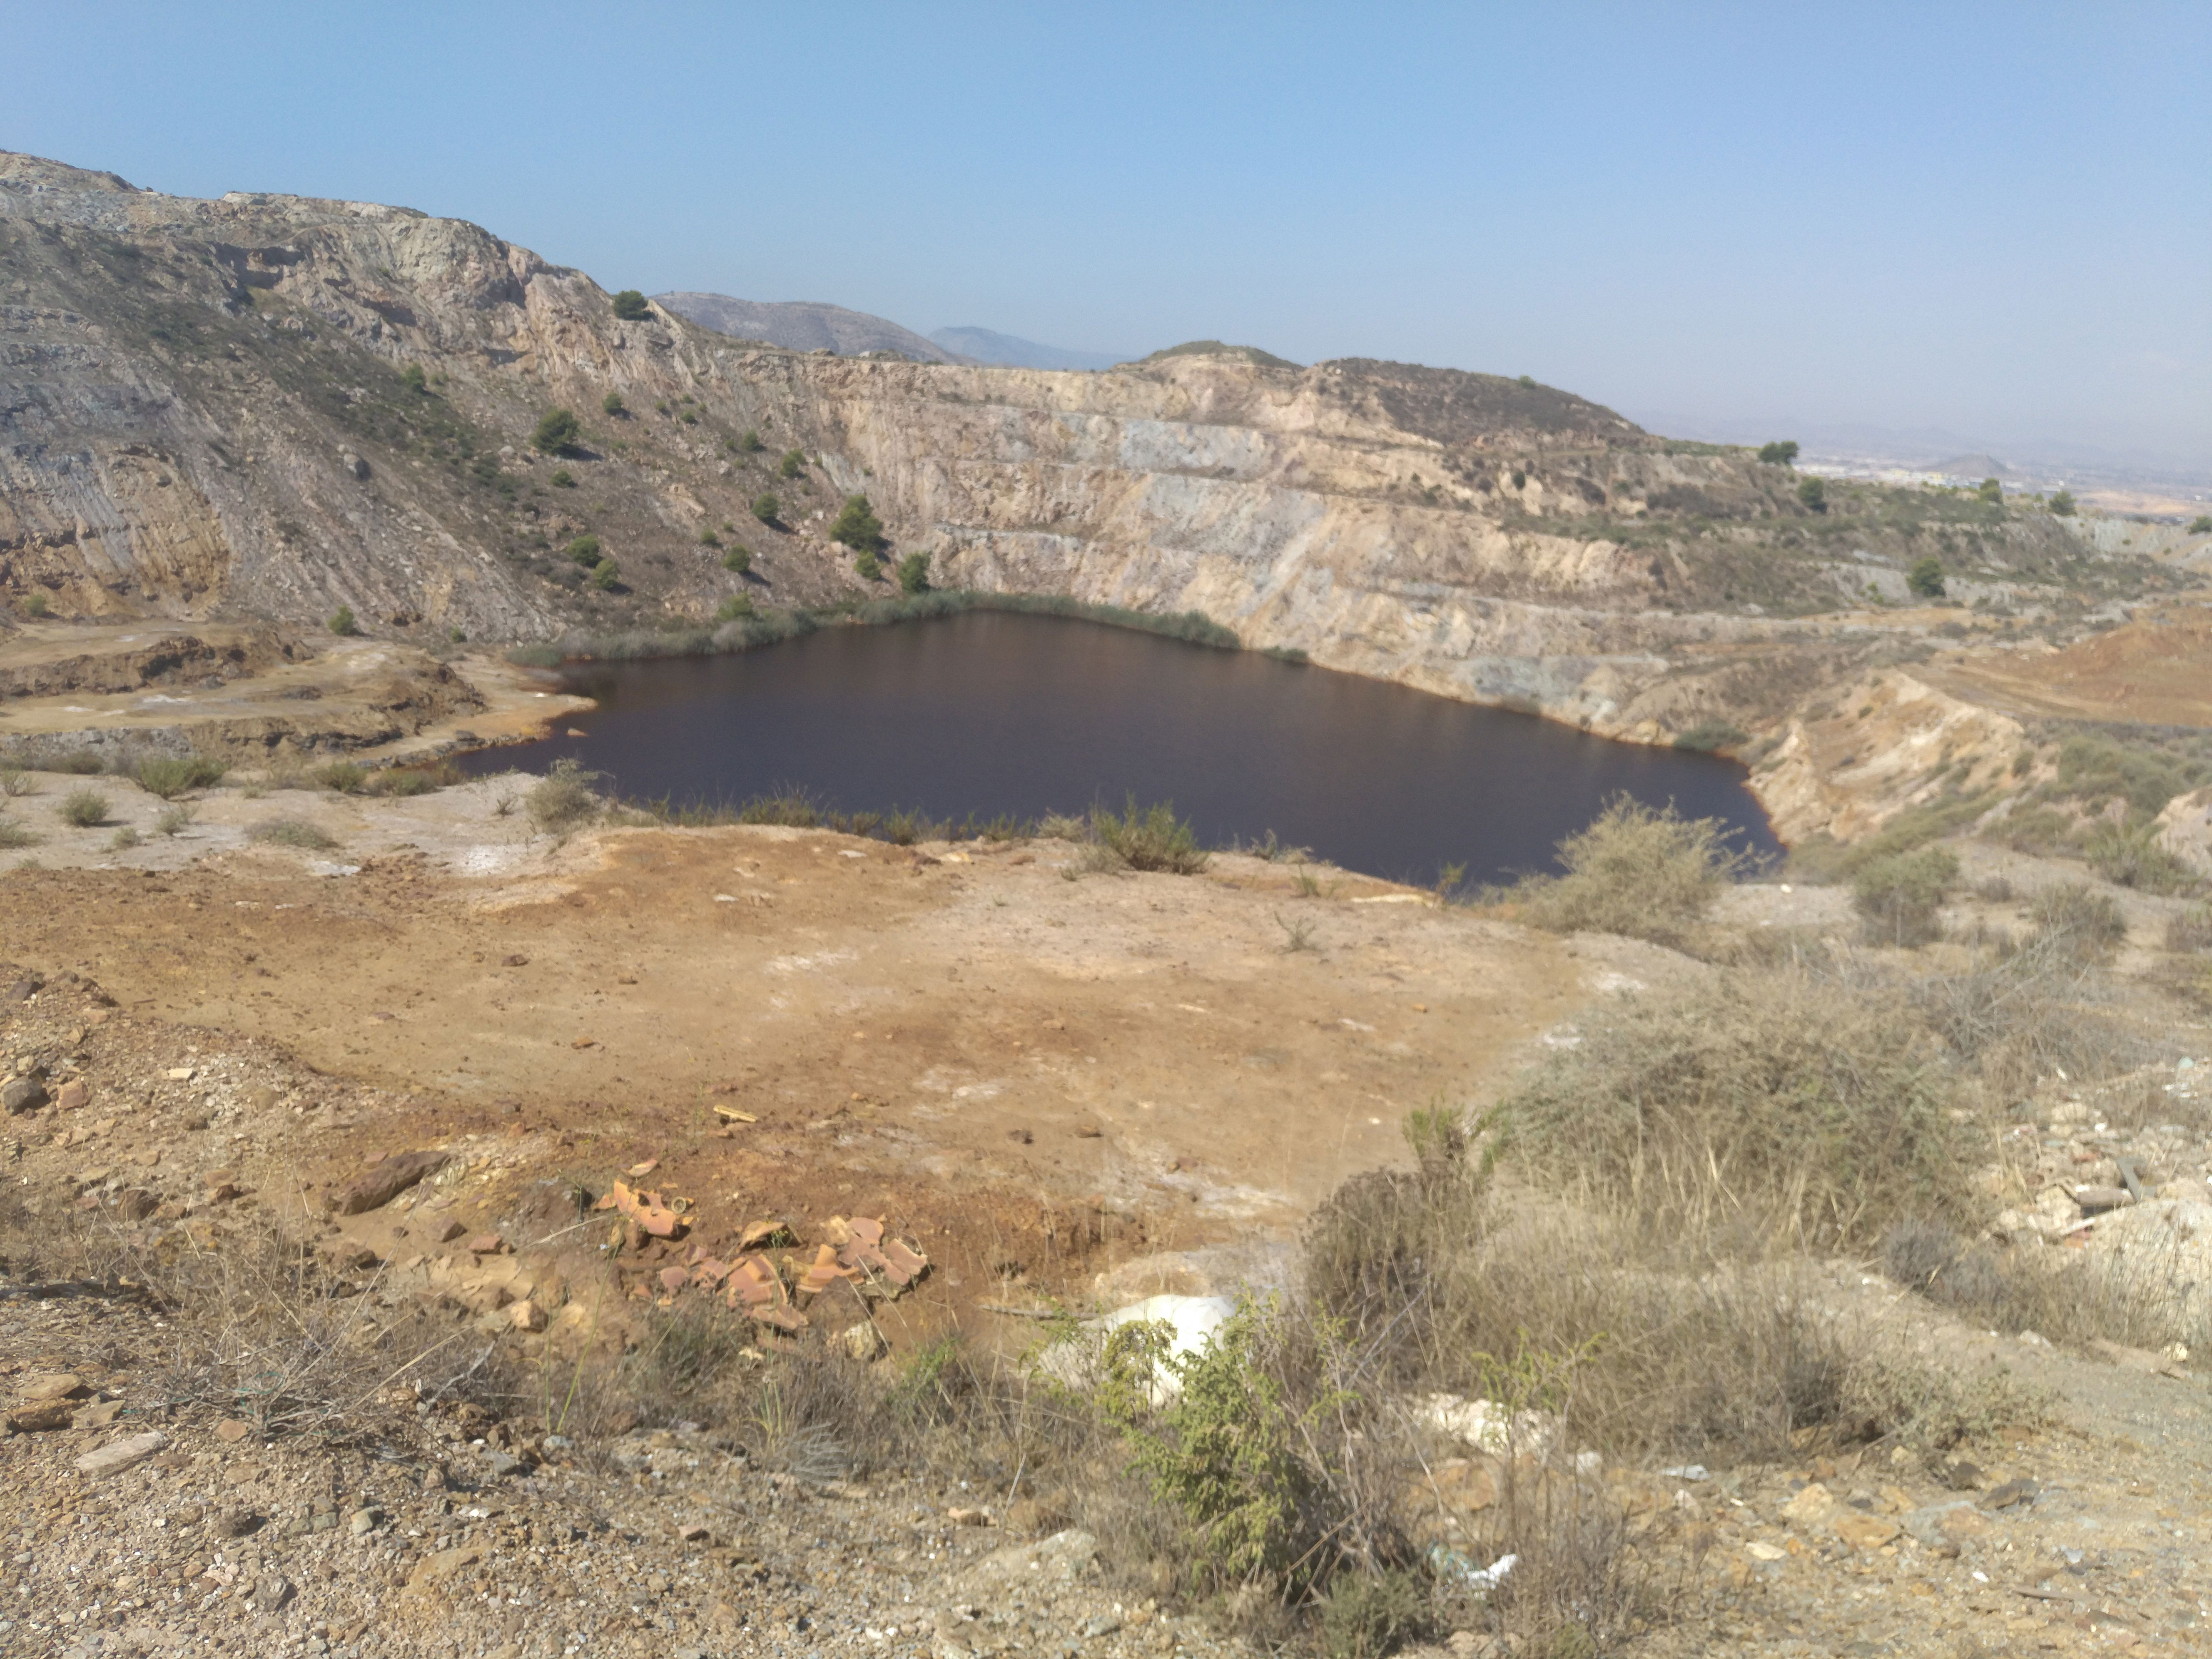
x=991, y=712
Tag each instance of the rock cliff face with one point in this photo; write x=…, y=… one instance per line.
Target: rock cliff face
x=271, y=406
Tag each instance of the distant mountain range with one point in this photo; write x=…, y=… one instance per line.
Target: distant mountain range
x=805, y=325
x=810, y=325
x=986, y=345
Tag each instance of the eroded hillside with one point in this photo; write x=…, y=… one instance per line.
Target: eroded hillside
x=269, y=407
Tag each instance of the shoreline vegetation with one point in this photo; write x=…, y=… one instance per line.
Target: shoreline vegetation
x=774, y=626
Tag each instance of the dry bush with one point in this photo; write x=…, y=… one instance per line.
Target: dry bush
x=1638, y=872
x=290, y=832
x=1899, y=899
x=2018, y=1016
x=1784, y=1104
x=2189, y=930
x=563, y=800
x=1149, y=838
x=2144, y=1302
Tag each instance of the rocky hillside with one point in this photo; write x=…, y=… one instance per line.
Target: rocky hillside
x=805, y=325
x=273, y=406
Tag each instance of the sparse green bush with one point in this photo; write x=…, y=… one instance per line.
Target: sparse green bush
x=766, y=507
x=1925, y=579
x=584, y=550
x=562, y=478
x=13, y=834
x=14, y=780
x=2189, y=930
x=913, y=573
x=792, y=465
x=2094, y=768
x=2201, y=526
x=1365, y=1615
x=731, y=609
x=170, y=776
x=630, y=307
x=1814, y=495
x=556, y=432
x=123, y=840
x=750, y=441
x=2063, y=503
x=1992, y=490
x=1899, y=898
x=342, y=621
x=739, y=560
x=709, y=539
x=412, y=378
x=606, y=575
x=2129, y=855
x=344, y=777
x=1150, y=838
x=562, y=799
x=402, y=781
x=1782, y=453
x=612, y=405
x=85, y=809
x=77, y=763
x=173, y=819
x=2079, y=919
x=857, y=526
x=1711, y=734
x=1638, y=872
x=868, y=568
x=36, y=605
x=290, y=832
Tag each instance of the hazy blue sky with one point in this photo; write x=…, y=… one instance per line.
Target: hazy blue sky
x=1996, y=219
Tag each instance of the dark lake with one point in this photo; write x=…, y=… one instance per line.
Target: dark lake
x=990, y=712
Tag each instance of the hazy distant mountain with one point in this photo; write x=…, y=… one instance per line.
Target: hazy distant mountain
x=803, y=325
x=987, y=346
x=1972, y=466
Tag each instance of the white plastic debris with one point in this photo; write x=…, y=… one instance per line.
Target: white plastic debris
x=1451, y=1564
x=1688, y=1472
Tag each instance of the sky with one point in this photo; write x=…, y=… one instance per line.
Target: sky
x=1994, y=220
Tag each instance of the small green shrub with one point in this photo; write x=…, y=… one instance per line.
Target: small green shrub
x=290, y=832
x=766, y=507
x=123, y=840
x=1899, y=898
x=36, y=605
x=1814, y=495
x=739, y=560
x=868, y=568
x=173, y=819
x=1925, y=579
x=562, y=799
x=1991, y=491
x=169, y=776
x=2129, y=855
x=709, y=539
x=342, y=621
x=1150, y=838
x=562, y=478
x=631, y=306
x=2201, y=526
x=13, y=834
x=556, y=432
x=402, y=781
x=584, y=550
x=732, y=608
x=77, y=763
x=85, y=809
x=792, y=465
x=612, y=405
x=606, y=575
x=2095, y=769
x=857, y=526
x=750, y=441
x=412, y=378
x=1366, y=1615
x=913, y=573
x=1783, y=452
x=2063, y=503
x=345, y=777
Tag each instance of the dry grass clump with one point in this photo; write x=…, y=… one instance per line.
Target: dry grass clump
x=84, y=809
x=169, y=775
x=290, y=832
x=1899, y=898
x=1780, y=1104
x=1637, y=872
